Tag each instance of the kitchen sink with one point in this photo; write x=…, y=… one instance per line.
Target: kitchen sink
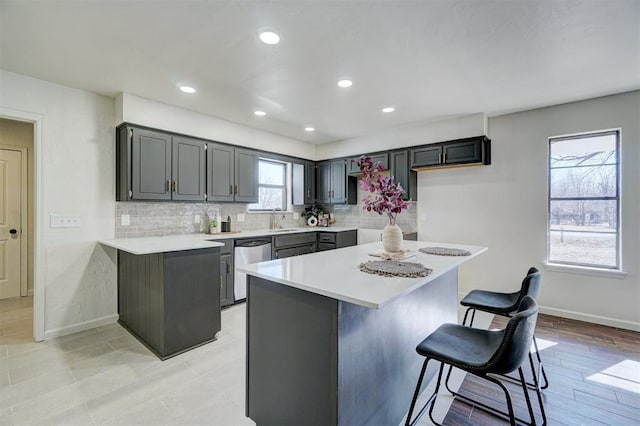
x=283, y=230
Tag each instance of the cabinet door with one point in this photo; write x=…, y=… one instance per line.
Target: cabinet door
x=338, y=182
x=189, y=172
x=226, y=281
x=309, y=182
x=352, y=166
x=286, y=252
x=382, y=159
x=220, y=172
x=246, y=176
x=402, y=174
x=298, y=184
x=150, y=165
x=463, y=152
x=323, y=182
x=311, y=248
x=426, y=156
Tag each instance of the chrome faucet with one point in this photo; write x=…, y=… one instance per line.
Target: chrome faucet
x=274, y=221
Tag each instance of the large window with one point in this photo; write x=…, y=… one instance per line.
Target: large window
x=272, y=186
x=584, y=200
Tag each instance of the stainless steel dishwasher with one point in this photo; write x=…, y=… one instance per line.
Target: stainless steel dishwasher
x=246, y=252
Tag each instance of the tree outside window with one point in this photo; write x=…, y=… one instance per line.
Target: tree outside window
x=584, y=200
x=272, y=186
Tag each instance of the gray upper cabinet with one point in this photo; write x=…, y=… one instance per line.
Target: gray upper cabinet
x=153, y=165
x=232, y=174
x=246, y=176
x=323, y=182
x=456, y=153
x=352, y=164
x=220, y=172
x=303, y=183
x=189, y=169
x=333, y=184
x=402, y=173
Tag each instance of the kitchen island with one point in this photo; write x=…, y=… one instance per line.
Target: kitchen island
x=328, y=344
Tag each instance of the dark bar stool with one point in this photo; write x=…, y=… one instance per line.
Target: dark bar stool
x=506, y=304
x=482, y=352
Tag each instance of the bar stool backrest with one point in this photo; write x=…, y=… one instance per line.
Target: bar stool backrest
x=530, y=286
x=518, y=335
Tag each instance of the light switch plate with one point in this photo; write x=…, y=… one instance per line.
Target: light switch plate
x=240, y=217
x=64, y=221
x=296, y=216
x=196, y=219
x=125, y=220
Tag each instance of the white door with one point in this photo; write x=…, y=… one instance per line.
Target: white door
x=10, y=227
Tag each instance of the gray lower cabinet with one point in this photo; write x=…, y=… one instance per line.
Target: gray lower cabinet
x=293, y=245
x=336, y=240
x=154, y=165
x=170, y=301
x=226, y=273
x=232, y=174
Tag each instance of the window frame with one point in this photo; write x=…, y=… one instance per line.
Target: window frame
x=284, y=186
x=616, y=198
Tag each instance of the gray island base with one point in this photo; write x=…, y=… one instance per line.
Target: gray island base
x=315, y=359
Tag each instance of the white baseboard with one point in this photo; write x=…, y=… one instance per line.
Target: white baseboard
x=63, y=331
x=595, y=319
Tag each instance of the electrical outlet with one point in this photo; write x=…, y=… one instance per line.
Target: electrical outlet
x=196, y=219
x=296, y=216
x=68, y=221
x=125, y=220
x=240, y=217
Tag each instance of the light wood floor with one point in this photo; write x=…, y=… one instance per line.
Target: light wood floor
x=593, y=371
x=105, y=376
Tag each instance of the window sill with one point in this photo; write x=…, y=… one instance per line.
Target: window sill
x=584, y=270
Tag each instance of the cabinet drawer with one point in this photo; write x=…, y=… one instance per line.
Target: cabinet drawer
x=326, y=246
x=327, y=237
x=294, y=240
x=228, y=246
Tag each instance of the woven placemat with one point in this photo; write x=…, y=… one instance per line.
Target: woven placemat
x=444, y=251
x=394, y=268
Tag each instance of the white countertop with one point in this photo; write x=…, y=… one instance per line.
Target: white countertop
x=335, y=273
x=170, y=243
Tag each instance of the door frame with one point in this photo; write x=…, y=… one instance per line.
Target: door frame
x=24, y=224
x=38, y=215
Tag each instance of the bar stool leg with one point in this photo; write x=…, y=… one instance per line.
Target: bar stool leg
x=473, y=315
x=430, y=402
x=544, y=373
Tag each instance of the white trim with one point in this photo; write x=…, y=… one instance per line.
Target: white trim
x=595, y=319
x=76, y=328
x=39, y=225
x=30, y=293
x=585, y=270
x=24, y=224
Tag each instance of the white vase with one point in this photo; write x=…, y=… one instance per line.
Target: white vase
x=392, y=238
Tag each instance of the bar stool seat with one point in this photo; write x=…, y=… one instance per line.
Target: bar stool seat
x=506, y=304
x=483, y=353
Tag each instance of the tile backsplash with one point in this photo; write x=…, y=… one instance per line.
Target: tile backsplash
x=149, y=219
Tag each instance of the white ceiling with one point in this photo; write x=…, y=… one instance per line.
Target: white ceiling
x=431, y=59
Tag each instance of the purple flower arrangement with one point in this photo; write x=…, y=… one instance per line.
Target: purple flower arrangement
x=384, y=195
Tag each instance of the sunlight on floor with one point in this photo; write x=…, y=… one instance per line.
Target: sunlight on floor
x=543, y=344
x=624, y=375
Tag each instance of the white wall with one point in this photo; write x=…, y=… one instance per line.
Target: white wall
x=134, y=109
x=398, y=137
x=77, y=153
x=504, y=206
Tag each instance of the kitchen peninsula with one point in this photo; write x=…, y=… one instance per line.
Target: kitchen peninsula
x=168, y=291
x=329, y=344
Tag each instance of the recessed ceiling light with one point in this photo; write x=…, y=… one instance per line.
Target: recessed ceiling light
x=187, y=89
x=345, y=83
x=388, y=109
x=260, y=113
x=309, y=129
x=269, y=37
